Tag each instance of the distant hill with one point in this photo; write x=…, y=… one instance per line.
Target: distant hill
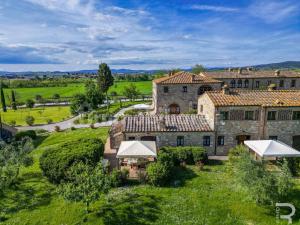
x=280, y=65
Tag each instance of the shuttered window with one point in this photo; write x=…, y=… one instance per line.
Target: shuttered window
x=237, y=115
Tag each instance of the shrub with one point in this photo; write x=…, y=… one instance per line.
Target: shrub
x=55, y=161
x=157, y=174
x=29, y=103
x=73, y=128
x=57, y=128
x=29, y=120
x=49, y=121
x=28, y=133
x=92, y=126
x=199, y=155
x=12, y=123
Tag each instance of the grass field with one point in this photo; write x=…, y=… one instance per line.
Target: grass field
x=22, y=94
x=207, y=197
x=40, y=115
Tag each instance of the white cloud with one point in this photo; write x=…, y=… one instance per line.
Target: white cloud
x=273, y=11
x=214, y=8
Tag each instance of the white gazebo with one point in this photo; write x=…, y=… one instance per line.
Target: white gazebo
x=135, y=155
x=271, y=149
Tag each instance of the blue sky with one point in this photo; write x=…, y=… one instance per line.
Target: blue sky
x=137, y=34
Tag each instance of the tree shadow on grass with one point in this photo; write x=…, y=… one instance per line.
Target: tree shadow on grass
x=30, y=193
x=181, y=175
x=130, y=208
x=213, y=162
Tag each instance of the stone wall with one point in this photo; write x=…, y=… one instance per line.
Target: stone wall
x=170, y=138
x=175, y=95
x=207, y=108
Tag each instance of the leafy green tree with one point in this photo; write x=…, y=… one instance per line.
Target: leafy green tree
x=56, y=97
x=105, y=80
x=85, y=184
x=38, y=98
x=131, y=92
x=2, y=98
x=198, y=69
x=93, y=95
x=79, y=104
x=12, y=157
x=13, y=100
x=30, y=103
x=29, y=120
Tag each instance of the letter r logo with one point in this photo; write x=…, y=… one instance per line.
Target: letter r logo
x=289, y=216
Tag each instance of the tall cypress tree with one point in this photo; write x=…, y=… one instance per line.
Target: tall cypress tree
x=2, y=98
x=105, y=79
x=13, y=100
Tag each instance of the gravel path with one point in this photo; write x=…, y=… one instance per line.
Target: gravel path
x=70, y=123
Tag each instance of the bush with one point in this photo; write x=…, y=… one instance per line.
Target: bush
x=12, y=123
x=49, y=121
x=28, y=133
x=29, y=120
x=57, y=128
x=189, y=154
x=55, y=161
x=157, y=174
x=73, y=128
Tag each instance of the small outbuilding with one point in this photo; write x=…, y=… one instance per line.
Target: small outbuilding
x=271, y=149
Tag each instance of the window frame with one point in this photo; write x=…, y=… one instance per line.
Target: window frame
x=296, y=115
x=166, y=89
x=257, y=84
x=273, y=137
x=221, y=140
x=206, y=141
x=293, y=83
x=222, y=113
x=239, y=83
x=246, y=117
x=246, y=83
x=180, y=141
x=273, y=113
x=281, y=83
x=184, y=89
x=232, y=83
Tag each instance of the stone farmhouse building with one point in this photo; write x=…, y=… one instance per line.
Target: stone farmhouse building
x=225, y=118
x=179, y=92
x=239, y=115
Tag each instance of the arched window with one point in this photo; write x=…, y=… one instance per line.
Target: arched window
x=203, y=89
x=232, y=83
x=246, y=83
x=174, y=109
x=240, y=83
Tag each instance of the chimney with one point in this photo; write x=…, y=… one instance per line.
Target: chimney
x=277, y=72
x=229, y=69
x=240, y=70
x=162, y=123
x=272, y=87
x=225, y=90
x=193, y=77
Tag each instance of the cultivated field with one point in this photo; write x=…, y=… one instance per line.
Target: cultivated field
x=41, y=115
x=22, y=94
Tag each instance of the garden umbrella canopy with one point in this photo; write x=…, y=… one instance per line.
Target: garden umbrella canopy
x=137, y=149
x=272, y=148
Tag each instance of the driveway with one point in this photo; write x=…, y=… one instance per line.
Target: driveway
x=70, y=123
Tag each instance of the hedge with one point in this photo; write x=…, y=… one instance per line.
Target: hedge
x=187, y=154
x=55, y=161
x=27, y=133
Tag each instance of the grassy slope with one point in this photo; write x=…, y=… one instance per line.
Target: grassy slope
x=47, y=92
x=40, y=114
x=207, y=197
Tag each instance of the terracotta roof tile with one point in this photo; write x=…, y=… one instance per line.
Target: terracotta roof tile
x=256, y=98
x=185, y=78
x=173, y=123
x=251, y=74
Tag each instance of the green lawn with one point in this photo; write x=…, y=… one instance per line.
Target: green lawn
x=206, y=197
x=40, y=114
x=22, y=94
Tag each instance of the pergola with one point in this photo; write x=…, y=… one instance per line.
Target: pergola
x=135, y=155
x=271, y=149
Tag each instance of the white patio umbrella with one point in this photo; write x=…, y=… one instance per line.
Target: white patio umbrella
x=271, y=148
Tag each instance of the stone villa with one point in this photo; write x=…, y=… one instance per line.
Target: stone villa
x=179, y=92
x=226, y=117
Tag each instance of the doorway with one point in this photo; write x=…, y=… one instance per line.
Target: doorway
x=241, y=138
